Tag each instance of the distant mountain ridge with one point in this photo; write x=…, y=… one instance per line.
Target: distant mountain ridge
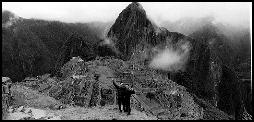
x=31, y=47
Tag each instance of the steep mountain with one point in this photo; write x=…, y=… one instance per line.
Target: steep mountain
x=223, y=54
x=200, y=61
x=130, y=29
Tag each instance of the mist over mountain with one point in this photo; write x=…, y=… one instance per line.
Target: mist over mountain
x=235, y=38
x=209, y=59
x=227, y=45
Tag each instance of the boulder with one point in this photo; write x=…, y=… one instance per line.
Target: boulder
x=17, y=116
x=37, y=113
x=28, y=110
x=6, y=79
x=20, y=109
x=10, y=110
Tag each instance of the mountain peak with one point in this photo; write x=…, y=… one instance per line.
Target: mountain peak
x=130, y=28
x=7, y=14
x=9, y=18
x=135, y=6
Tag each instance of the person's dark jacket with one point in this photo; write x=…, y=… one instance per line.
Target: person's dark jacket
x=128, y=91
x=127, y=94
x=120, y=89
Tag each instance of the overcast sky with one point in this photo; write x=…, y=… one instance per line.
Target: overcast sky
x=237, y=13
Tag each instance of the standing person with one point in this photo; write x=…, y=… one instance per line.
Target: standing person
x=127, y=94
x=96, y=96
x=120, y=98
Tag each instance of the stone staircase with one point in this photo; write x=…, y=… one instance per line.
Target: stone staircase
x=149, y=105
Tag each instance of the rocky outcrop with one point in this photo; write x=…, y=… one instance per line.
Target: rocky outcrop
x=5, y=104
x=6, y=95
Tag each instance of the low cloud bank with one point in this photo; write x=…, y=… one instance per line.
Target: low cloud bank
x=171, y=59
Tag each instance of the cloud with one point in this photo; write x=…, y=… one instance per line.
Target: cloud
x=171, y=59
x=227, y=12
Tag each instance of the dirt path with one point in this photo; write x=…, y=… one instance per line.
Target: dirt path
x=76, y=113
x=25, y=96
x=101, y=113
